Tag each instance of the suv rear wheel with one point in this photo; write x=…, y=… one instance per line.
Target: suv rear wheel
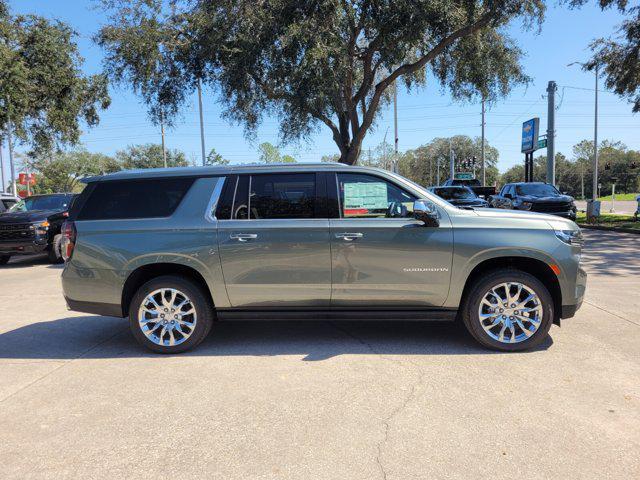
x=170, y=314
x=54, y=253
x=508, y=310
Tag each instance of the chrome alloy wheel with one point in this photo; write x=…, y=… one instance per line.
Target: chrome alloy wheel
x=510, y=312
x=167, y=317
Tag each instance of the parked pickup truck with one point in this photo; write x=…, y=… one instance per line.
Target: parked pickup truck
x=474, y=184
x=535, y=197
x=177, y=250
x=33, y=225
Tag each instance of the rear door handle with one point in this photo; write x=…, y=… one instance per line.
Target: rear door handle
x=349, y=237
x=243, y=237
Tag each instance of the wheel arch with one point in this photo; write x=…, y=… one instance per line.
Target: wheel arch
x=144, y=273
x=536, y=267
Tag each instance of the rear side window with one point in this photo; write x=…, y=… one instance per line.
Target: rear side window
x=282, y=196
x=135, y=199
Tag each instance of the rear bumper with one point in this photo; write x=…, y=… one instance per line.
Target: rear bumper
x=22, y=248
x=105, y=309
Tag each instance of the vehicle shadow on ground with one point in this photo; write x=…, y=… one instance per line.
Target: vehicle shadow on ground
x=599, y=258
x=25, y=261
x=107, y=337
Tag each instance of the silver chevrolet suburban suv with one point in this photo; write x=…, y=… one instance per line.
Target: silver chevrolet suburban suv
x=176, y=250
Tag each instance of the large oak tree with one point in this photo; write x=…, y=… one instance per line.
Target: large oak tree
x=43, y=93
x=313, y=63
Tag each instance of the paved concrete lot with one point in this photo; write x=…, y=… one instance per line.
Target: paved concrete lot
x=343, y=400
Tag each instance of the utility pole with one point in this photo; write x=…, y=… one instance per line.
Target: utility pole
x=12, y=166
x=551, y=133
x=164, y=150
x=484, y=172
x=384, y=150
x=452, y=159
x=2, y=187
x=438, y=170
x=595, y=143
x=204, y=155
x=395, y=126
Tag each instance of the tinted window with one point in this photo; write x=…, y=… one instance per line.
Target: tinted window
x=283, y=196
x=241, y=199
x=44, y=202
x=368, y=196
x=135, y=199
x=225, y=204
x=537, y=190
x=458, y=193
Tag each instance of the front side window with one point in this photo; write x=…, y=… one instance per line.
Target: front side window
x=367, y=196
x=277, y=196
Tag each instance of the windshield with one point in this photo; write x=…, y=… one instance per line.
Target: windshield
x=537, y=190
x=455, y=193
x=47, y=202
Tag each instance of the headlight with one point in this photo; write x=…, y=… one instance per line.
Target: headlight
x=526, y=205
x=570, y=237
x=41, y=228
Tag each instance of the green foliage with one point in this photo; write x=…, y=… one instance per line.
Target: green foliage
x=421, y=164
x=42, y=89
x=619, y=55
x=310, y=62
x=214, y=158
x=270, y=154
x=149, y=155
x=63, y=171
x=615, y=161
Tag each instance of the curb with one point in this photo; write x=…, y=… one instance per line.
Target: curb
x=609, y=229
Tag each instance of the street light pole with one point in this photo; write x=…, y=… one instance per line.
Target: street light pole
x=12, y=166
x=1, y=165
x=484, y=173
x=164, y=150
x=395, y=126
x=595, y=143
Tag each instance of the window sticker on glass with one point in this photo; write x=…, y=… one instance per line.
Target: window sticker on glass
x=363, y=198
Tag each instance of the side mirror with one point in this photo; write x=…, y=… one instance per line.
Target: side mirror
x=426, y=212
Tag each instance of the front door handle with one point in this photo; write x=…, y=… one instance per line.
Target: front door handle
x=349, y=237
x=243, y=237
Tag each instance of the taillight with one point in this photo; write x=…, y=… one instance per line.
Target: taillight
x=68, y=239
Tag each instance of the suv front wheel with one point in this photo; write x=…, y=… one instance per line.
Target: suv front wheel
x=170, y=314
x=508, y=310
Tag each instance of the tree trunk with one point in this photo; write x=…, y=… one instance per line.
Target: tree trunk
x=350, y=153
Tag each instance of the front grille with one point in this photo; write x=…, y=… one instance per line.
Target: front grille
x=551, y=207
x=18, y=231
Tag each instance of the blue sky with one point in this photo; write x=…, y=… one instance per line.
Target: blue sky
x=423, y=115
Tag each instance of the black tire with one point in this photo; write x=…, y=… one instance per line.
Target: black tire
x=471, y=304
x=4, y=259
x=199, y=300
x=54, y=252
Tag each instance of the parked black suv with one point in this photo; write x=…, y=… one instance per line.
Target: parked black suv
x=535, y=197
x=33, y=225
x=459, y=196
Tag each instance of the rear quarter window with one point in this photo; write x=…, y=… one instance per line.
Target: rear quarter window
x=148, y=198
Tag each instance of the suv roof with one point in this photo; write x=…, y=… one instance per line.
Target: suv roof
x=223, y=170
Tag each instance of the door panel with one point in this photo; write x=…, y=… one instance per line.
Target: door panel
x=276, y=262
x=390, y=262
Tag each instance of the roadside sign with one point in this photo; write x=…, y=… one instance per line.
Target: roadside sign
x=530, y=130
x=463, y=176
x=542, y=143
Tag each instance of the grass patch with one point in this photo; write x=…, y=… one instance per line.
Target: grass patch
x=623, y=197
x=611, y=220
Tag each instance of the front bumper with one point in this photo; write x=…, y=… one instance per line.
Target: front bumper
x=570, y=309
x=22, y=248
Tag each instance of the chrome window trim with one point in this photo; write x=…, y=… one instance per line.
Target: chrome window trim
x=210, y=215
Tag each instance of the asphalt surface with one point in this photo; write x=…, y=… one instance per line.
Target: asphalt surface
x=624, y=207
x=340, y=400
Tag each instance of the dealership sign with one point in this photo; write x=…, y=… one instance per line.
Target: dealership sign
x=530, y=130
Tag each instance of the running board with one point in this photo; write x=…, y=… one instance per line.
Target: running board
x=433, y=315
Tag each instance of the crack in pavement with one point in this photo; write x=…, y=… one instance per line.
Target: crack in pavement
x=396, y=411
x=611, y=313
